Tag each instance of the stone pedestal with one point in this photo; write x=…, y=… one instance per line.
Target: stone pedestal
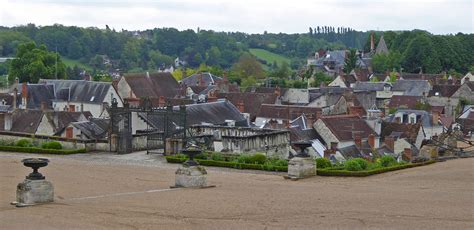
x=30, y=192
x=301, y=167
x=191, y=177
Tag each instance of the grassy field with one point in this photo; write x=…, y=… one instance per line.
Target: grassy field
x=71, y=63
x=269, y=57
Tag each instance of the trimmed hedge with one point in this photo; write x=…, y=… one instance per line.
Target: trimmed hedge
x=347, y=173
x=228, y=164
x=40, y=150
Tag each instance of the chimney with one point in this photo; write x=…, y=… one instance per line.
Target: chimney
x=390, y=142
x=358, y=140
x=7, y=119
x=241, y=106
x=318, y=115
x=398, y=120
x=24, y=95
x=328, y=153
x=372, y=42
x=15, y=94
x=278, y=91
x=334, y=146
x=408, y=154
x=82, y=107
x=309, y=121
x=201, y=80
x=44, y=106
x=435, y=117
x=371, y=141
x=161, y=101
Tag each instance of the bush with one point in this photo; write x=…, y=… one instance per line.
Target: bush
x=202, y=156
x=322, y=163
x=386, y=161
x=24, y=143
x=258, y=159
x=52, y=145
x=280, y=162
x=332, y=172
x=40, y=150
x=244, y=159
x=362, y=162
x=217, y=157
x=353, y=165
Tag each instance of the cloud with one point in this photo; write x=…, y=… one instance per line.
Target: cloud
x=252, y=16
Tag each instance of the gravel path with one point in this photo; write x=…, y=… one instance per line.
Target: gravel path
x=106, y=191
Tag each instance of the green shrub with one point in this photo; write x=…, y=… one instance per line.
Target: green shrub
x=217, y=157
x=332, y=172
x=322, y=163
x=280, y=162
x=362, y=162
x=40, y=150
x=24, y=143
x=7, y=143
x=244, y=159
x=258, y=159
x=268, y=166
x=386, y=161
x=52, y=145
x=203, y=156
x=353, y=165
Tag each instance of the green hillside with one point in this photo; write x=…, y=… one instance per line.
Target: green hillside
x=269, y=57
x=71, y=63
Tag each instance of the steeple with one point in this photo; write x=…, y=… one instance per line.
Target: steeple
x=381, y=47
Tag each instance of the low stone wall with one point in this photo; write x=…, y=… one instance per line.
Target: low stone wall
x=90, y=145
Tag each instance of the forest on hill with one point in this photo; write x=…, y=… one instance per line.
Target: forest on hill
x=137, y=51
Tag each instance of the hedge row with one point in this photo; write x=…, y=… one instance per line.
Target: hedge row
x=40, y=150
x=229, y=164
x=347, y=173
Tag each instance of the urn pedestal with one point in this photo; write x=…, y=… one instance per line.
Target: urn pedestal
x=301, y=167
x=34, y=189
x=191, y=177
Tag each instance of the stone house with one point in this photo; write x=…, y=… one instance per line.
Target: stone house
x=79, y=96
x=93, y=129
x=467, y=77
x=151, y=85
x=430, y=122
x=344, y=130
x=466, y=91
x=283, y=114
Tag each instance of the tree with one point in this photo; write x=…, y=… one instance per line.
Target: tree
x=421, y=55
x=283, y=71
x=248, y=82
x=248, y=66
x=33, y=62
x=351, y=61
x=320, y=77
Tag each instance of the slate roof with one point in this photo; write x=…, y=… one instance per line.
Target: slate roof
x=79, y=90
x=343, y=126
x=64, y=118
x=206, y=77
x=286, y=111
x=38, y=93
x=412, y=87
x=93, y=129
x=370, y=86
x=329, y=89
x=215, y=113
x=256, y=89
x=152, y=85
x=443, y=90
x=425, y=116
x=381, y=47
x=251, y=101
x=402, y=101
x=26, y=120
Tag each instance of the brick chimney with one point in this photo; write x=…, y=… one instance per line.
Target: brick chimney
x=161, y=101
x=435, y=116
x=371, y=140
x=241, y=106
x=24, y=95
x=201, y=80
x=318, y=115
x=309, y=121
x=408, y=154
x=278, y=91
x=358, y=140
x=390, y=142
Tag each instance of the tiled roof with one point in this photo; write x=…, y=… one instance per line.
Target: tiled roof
x=345, y=126
x=401, y=101
x=409, y=131
x=286, y=111
x=79, y=90
x=203, y=79
x=443, y=90
x=153, y=85
x=251, y=101
x=93, y=129
x=26, y=120
x=412, y=87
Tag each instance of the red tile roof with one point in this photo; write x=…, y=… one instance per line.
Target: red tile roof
x=344, y=127
x=399, y=101
x=286, y=111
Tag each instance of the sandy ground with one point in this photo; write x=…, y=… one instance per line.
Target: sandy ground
x=102, y=191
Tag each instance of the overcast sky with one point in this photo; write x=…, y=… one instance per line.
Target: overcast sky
x=251, y=16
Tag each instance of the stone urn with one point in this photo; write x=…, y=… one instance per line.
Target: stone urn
x=302, y=165
x=34, y=189
x=191, y=174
